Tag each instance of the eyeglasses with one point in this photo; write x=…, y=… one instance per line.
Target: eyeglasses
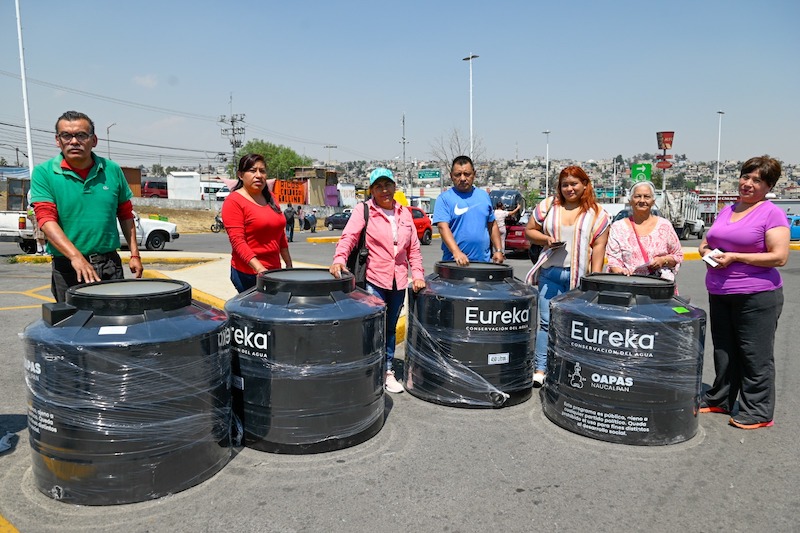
x=66, y=137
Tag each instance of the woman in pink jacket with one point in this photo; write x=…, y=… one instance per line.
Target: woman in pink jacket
x=393, y=246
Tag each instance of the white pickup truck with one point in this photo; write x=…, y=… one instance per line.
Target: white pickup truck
x=151, y=234
x=15, y=227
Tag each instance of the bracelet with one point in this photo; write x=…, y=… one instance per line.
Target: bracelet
x=136, y=257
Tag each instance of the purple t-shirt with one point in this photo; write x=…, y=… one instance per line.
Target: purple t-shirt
x=746, y=235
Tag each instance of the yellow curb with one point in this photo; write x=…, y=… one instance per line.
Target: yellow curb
x=336, y=238
x=198, y=295
x=145, y=260
x=400, y=330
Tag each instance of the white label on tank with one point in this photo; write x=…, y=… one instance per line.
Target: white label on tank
x=238, y=382
x=498, y=358
x=113, y=330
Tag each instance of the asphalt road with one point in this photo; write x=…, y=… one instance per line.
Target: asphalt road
x=437, y=468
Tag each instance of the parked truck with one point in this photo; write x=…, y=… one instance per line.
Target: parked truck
x=15, y=227
x=682, y=208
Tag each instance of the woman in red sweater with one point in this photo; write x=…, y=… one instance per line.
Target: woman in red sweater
x=255, y=225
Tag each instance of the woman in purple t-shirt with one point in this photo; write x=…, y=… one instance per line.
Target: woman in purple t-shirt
x=743, y=247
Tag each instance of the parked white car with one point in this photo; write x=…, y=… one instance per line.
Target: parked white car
x=152, y=234
x=222, y=194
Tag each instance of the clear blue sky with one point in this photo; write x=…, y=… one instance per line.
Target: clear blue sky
x=602, y=76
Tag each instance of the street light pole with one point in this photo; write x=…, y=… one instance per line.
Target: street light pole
x=108, y=141
x=719, y=145
x=547, y=165
x=470, y=58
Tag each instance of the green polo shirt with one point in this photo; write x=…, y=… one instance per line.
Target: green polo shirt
x=87, y=209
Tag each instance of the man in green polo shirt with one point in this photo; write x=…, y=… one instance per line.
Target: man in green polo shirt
x=77, y=197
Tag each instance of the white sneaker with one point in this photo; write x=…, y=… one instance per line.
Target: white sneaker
x=392, y=385
x=538, y=379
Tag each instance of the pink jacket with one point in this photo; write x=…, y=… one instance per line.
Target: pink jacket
x=383, y=265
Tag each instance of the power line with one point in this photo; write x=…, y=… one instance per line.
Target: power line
x=119, y=101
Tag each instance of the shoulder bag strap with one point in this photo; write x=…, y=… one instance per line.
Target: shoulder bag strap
x=641, y=248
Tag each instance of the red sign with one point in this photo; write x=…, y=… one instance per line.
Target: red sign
x=665, y=156
x=664, y=164
x=665, y=139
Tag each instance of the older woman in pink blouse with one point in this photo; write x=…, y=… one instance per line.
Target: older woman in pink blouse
x=644, y=243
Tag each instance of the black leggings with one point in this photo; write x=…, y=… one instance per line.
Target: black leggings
x=743, y=330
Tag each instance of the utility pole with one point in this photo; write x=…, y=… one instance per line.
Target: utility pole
x=404, y=142
x=329, y=147
x=234, y=133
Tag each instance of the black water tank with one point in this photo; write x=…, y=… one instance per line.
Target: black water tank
x=128, y=392
x=308, y=353
x=625, y=361
x=471, y=337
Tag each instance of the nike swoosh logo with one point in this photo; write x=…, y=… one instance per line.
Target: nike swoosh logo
x=460, y=210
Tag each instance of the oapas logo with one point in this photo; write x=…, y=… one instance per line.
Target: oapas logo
x=627, y=339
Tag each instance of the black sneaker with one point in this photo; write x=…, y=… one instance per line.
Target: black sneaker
x=706, y=408
x=748, y=422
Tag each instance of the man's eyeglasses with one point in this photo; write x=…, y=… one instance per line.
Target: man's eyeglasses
x=66, y=137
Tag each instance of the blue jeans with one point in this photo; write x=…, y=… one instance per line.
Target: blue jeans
x=242, y=280
x=552, y=282
x=394, y=304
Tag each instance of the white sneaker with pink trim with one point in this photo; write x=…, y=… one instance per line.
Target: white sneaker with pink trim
x=392, y=385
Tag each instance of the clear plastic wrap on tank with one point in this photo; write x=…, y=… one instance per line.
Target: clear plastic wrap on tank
x=471, y=337
x=625, y=361
x=128, y=392
x=308, y=353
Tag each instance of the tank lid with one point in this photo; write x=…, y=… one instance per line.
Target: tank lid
x=304, y=282
x=473, y=271
x=130, y=296
x=655, y=288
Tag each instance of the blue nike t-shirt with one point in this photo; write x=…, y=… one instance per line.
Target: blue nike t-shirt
x=467, y=214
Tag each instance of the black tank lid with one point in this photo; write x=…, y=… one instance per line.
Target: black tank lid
x=130, y=296
x=655, y=288
x=473, y=271
x=304, y=282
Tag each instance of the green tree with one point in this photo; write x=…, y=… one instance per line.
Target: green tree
x=3, y=162
x=171, y=169
x=677, y=181
x=657, y=178
x=157, y=170
x=280, y=159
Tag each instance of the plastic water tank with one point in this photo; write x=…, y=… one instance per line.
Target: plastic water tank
x=128, y=392
x=308, y=354
x=471, y=337
x=625, y=361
